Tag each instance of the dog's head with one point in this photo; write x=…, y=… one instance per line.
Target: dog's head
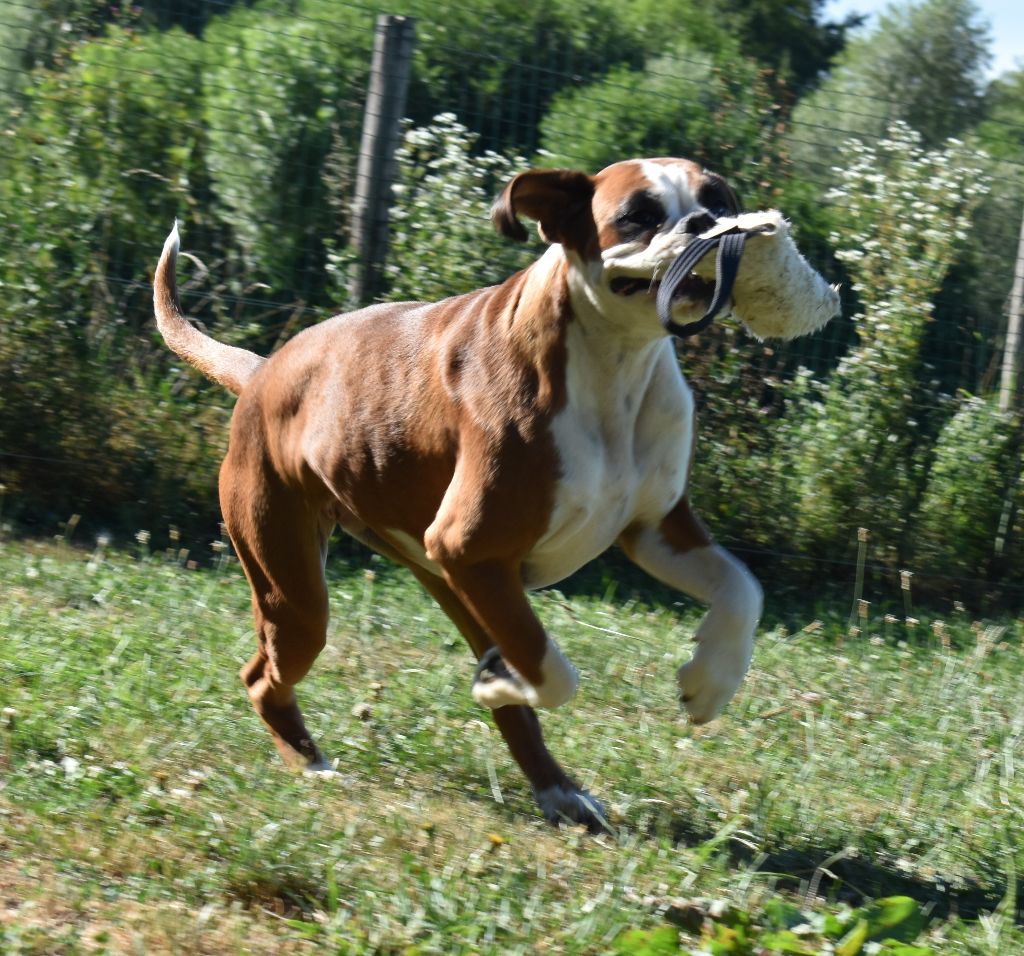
x=622, y=228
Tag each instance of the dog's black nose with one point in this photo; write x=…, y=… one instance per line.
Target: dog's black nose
x=698, y=222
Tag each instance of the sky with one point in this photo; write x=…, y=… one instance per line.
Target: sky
x=1005, y=18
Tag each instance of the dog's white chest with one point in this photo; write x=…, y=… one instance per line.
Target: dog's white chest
x=623, y=442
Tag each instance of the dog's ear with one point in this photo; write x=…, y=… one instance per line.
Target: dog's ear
x=559, y=199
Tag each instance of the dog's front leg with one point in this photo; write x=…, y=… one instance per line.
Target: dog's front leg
x=529, y=668
x=560, y=798
x=679, y=551
x=489, y=518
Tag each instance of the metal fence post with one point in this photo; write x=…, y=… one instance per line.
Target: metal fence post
x=375, y=173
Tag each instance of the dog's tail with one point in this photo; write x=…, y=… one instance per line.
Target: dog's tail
x=231, y=367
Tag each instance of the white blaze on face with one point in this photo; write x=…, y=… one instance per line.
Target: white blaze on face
x=670, y=183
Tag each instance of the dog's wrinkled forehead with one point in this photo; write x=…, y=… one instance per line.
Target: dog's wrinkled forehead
x=637, y=198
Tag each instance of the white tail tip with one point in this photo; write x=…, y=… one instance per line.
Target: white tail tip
x=173, y=242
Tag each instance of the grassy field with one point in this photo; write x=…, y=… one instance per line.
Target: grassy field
x=143, y=808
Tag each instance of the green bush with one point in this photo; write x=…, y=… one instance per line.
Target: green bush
x=90, y=420
x=966, y=521
x=861, y=454
x=717, y=111
x=497, y=63
x=283, y=97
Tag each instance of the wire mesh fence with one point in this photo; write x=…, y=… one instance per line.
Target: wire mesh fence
x=244, y=121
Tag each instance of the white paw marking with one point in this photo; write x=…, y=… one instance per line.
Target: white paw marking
x=559, y=680
x=709, y=679
x=501, y=692
x=320, y=768
x=725, y=638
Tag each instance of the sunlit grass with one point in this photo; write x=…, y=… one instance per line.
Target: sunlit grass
x=143, y=807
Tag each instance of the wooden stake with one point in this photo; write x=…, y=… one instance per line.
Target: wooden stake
x=375, y=173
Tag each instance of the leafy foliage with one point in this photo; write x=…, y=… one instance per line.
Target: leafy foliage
x=860, y=460
x=43, y=34
x=789, y=37
x=686, y=103
x=1001, y=131
x=883, y=927
x=474, y=56
x=74, y=354
x=282, y=89
x=430, y=259
x=246, y=129
x=923, y=65
x=974, y=497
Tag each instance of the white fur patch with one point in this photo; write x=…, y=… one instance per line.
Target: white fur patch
x=725, y=638
x=500, y=691
x=320, y=768
x=559, y=680
x=671, y=184
x=172, y=243
x=623, y=440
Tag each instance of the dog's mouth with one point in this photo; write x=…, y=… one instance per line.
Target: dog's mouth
x=692, y=289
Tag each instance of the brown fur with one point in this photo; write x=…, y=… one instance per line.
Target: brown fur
x=430, y=422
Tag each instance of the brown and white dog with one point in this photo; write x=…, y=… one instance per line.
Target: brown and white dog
x=492, y=443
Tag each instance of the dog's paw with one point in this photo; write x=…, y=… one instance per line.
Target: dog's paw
x=707, y=683
x=573, y=807
x=320, y=768
x=497, y=684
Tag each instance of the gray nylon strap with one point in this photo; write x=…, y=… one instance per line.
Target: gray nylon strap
x=730, y=250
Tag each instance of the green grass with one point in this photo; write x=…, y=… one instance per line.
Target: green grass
x=143, y=808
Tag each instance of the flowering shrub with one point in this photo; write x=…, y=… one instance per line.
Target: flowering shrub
x=442, y=242
x=861, y=454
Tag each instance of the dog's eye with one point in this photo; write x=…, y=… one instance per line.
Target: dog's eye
x=643, y=213
x=648, y=218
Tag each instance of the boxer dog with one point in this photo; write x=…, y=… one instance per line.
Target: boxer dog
x=492, y=443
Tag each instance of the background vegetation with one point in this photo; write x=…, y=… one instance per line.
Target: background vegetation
x=895, y=154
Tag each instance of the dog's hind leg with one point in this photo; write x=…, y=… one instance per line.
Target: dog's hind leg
x=281, y=543
x=560, y=798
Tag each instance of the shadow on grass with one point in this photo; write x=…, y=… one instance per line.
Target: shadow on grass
x=613, y=577
x=829, y=872
x=837, y=873
x=289, y=897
